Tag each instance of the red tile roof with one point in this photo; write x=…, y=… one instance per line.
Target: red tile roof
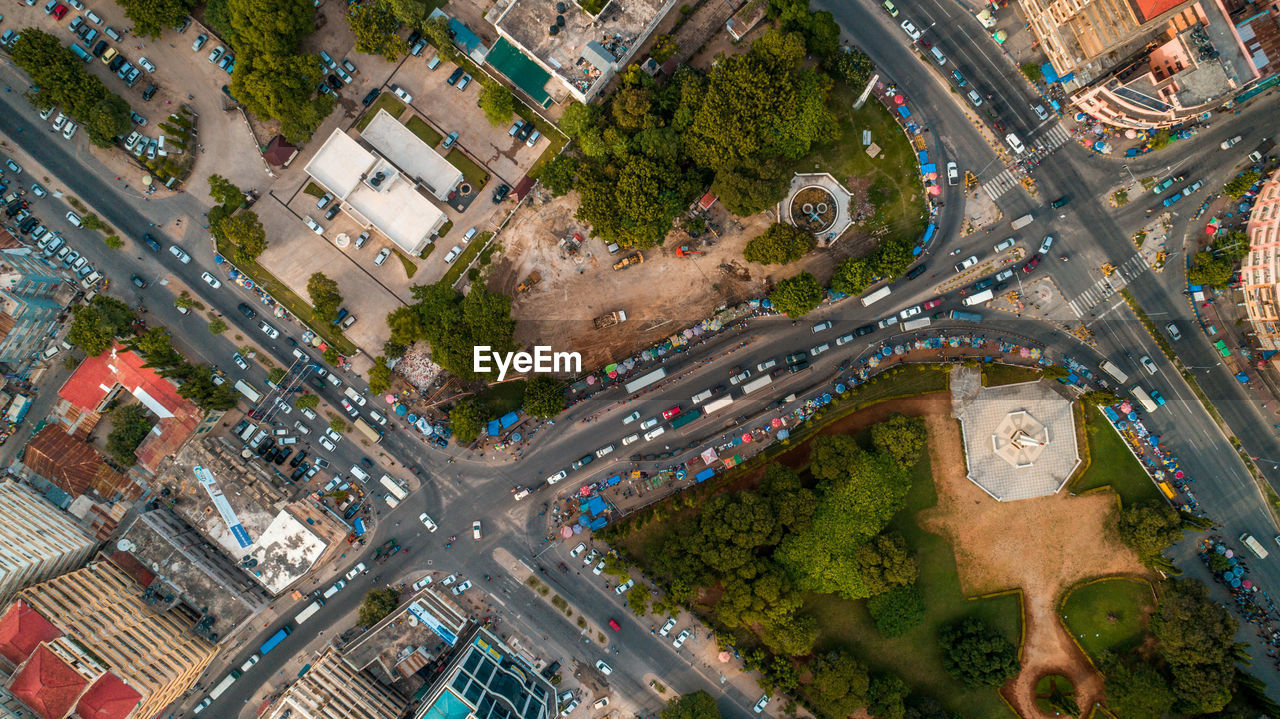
x=1148, y=10
x=130, y=565
x=48, y=685
x=108, y=698
x=22, y=629
x=97, y=378
x=707, y=201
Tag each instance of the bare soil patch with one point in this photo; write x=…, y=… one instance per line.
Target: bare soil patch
x=1041, y=546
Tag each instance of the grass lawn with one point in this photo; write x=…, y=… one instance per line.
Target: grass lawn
x=997, y=374
x=470, y=170
x=314, y=190
x=444, y=229
x=425, y=132
x=410, y=267
x=896, y=167
x=916, y=656
x=1111, y=464
x=385, y=101
x=1108, y=615
x=292, y=302
x=464, y=260
x=503, y=397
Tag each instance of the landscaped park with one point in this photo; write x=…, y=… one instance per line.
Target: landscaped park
x=859, y=565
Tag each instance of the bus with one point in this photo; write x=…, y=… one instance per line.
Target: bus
x=1114, y=371
x=1254, y=545
x=367, y=430
x=965, y=316
x=876, y=296
x=718, y=404
x=756, y=384
x=393, y=486
x=247, y=390
x=307, y=613
x=225, y=684
x=275, y=640
x=685, y=418
x=643, y=381
x=1143, y=398
x=918, y=323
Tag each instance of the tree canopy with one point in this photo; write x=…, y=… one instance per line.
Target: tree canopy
x=245, y=233
x=224, y=193
x=468, y=418
x=837, y=685
x=1136, y=690
x=900, y=437
x=797, y=296
x=325, y=296
x=130, y=425
x=151, y=17
x=376, y=28
x=454, y=324
x=62, y=80
x=977, y=655
x=497, y=102
x=698, y=705
x=543, y=397
x=1197, y=640
x=379, y=376
x=96, y=325
x=779, y=244
x=377, y=605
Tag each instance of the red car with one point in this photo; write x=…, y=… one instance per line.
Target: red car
x=671, y=412
x=613, y=624
x=1031, y=264
x=59, y=11
x=932, y=303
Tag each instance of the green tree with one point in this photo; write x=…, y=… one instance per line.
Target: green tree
x=375, y=26
x=379, y=376
x=1151, y=528
x=1209, y=270
x=198, y=386
x=245, y=233
x=852, y=277
x=977, y=655
x=698, y=705
x=151, y=17
x=663, y=47
x=275, y=374
x=60, y=79
x=543, y=397
x=638, y=600
x=108, y=118
x=850, y=65
x=779, y=244
x=497, y=102
x=307, y=401
x=837, y=685
x=1197, y=639
x=113, y=241
x=217, y=326
x=224, y=193
x=797, y=296
x=1136, y=690
x=130, y=425
x=325, y=296
x=1031, y=71
x=1241, y=183
x=337, y=425
x=898, y=610
x=156, y=348
x=900, y=437
x=750, y=185
x=559, y=174
x=377, y=605
x=886, y=697
x=437, y=32
x=96, y=325
x=468, y=419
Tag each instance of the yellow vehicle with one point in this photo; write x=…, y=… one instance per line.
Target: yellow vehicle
x=628, y=261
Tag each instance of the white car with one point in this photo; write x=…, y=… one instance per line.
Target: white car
x=70, y=130
x=324, y=442
x=1148, y=365
x=268, y=330
x=1005, y=244
x=821, y=327
x=1044, y=246
x=58, y=122
x=591, y=556
x=649, y=423
x=400, y=93
x=598, y=568
x=453, y=254
x=760, y=705
x=74, y=219
x=426, y=522
x=578, y=550
x=146, y=64
x=1228, y=144
x=631, y=439
x=210, y=280
x=315, y=227
x=953, y=173
x=383, y=254
x=654, y=433
x=681, y=639
x=889, y=321
x=911, y=30
x=557, y=476
x=458, y=590
x=666, y=628
x=356, y=570
x=1174, y=334
x=421, y=583
x=334, y=436
x=450, y=579
x=966, y=263
x=631, y=417
x=909, y=312
x=605, y=669
x=622, y=588
x=568, y=709
x=176, y=251
x=475, y=529
x=239, y=361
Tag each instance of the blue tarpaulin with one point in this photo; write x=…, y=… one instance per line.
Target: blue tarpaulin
x=598, y=523
x=1050, y=75
x=928, y=167
x=359, y=526
x=596, y=506
x=613, y=480
x=462, y=35
x=509, y=419
x=902, y=110
x=929, y=232
x=923, y=156
x=494, y=428
x=704, y=475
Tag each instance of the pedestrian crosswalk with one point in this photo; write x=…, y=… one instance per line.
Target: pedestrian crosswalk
x=1053, y=138
x=1000, y=184
x=1129, y=270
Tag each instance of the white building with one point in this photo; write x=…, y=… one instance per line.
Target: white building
x=37, y=542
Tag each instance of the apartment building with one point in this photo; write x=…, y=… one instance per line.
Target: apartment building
x=1260, y=271
x=37, y=541
x=332, y=689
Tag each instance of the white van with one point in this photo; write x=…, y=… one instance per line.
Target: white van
x=701, y=397
x=337, y=587
x=358, y=472
x=876, y=296
x=355, y=396
x=604, y=450
x=979, y=297
x=654, y=433
x=938, y=57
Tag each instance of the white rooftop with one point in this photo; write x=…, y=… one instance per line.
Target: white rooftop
x=340, y=163
x=1019, y=439
x=285, y=552
x=415, y=159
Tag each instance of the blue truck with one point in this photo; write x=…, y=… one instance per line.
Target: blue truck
x=275, y=640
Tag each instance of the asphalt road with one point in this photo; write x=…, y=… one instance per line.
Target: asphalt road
x=458, y=493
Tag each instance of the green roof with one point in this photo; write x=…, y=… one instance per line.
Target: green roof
x=520, y=69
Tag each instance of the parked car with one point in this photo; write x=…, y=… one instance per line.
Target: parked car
x=383, y=254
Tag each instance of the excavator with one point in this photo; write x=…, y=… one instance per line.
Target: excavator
x=684, y=251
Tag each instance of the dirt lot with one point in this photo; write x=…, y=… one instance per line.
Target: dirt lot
x=558, y=311
x=1023, y=544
